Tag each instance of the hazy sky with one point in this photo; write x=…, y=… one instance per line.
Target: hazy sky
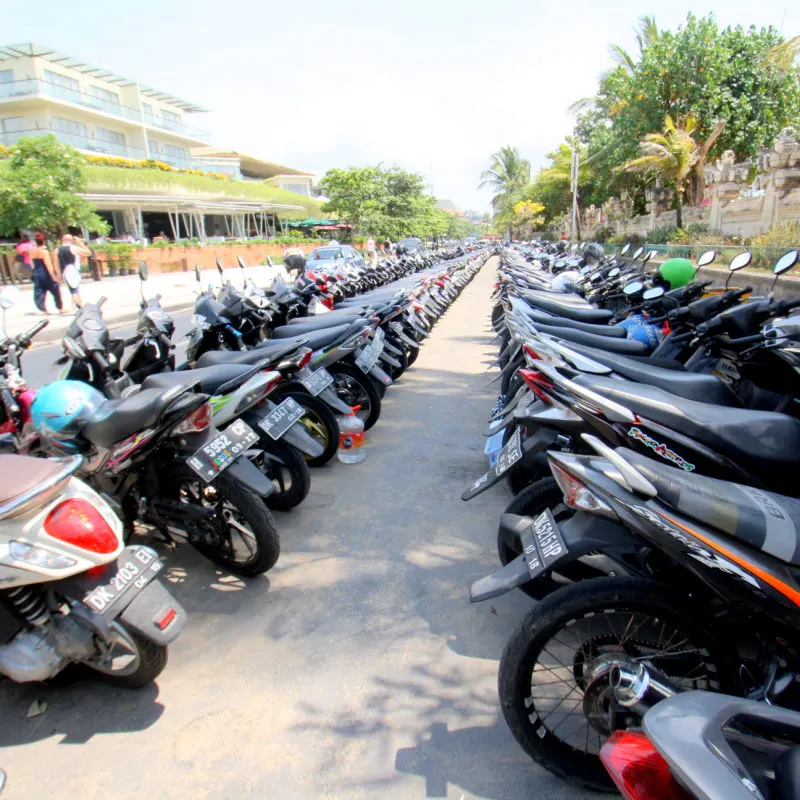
x=433, y=86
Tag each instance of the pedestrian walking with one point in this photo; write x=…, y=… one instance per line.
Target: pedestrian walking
x=371, y=250
x=69, y=264
x=45, y=275
x=387, y=246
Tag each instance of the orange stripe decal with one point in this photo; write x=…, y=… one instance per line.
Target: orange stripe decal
x=783, y=588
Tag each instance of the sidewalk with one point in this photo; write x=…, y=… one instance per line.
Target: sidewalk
x=178, y=291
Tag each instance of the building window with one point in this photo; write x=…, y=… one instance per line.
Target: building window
x=104, y=94
x=170, y=116
x=297, y=188
x=6, y=75
x=105, y=135
x=173, y=151
x=147, y=108
x=62, y=80
x=68, y=126
x=12, y=125
x=153, y=146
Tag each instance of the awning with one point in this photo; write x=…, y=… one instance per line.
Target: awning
x=313, y=223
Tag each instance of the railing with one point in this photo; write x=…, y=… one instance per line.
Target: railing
x=87, y=143
x=34, y=87
x=763, y=256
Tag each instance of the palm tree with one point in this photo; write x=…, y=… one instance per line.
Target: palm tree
x=508, y=173
x=669, y=155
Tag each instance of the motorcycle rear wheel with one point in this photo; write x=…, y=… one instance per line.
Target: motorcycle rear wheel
x=147, y=659
x=288, y=472
x=357, y=389
x=320, y=423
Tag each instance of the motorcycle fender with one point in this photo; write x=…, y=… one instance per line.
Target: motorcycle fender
x=151, y=605
x=511, y=404
x=391, y=349
x=581, y=535
x=297, y=436
x=334, y=401
x=377, y=373
x=540, y=441
x=387, y=359
x=251, y=477
x=408, y=340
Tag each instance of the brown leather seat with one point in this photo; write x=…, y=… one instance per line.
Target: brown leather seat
x=23, y=474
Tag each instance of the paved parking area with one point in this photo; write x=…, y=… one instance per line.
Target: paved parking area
x=357, y=668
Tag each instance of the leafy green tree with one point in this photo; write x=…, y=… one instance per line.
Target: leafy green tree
x=670, y=156
x=40, y=189
x=508, y=174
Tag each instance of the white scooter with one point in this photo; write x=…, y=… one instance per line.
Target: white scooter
x=70, y=591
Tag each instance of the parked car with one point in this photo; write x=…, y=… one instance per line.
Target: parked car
x=322, y=258
x=411, y=245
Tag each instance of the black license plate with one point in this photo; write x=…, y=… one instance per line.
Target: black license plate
x=510, y=454
x=135, y=568
x=542, y=544
x=280, y=419
x=317, y=381
x=369, y=355
x=218, y=454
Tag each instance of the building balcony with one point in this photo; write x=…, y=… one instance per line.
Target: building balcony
x=34, y=87
x=86, y=143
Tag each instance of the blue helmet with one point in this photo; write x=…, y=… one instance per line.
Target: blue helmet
x=61, y=409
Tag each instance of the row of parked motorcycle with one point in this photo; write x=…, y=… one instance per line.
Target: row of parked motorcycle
x=648, y=426
x=128, y=442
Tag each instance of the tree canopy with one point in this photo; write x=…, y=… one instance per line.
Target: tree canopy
x=39, y=190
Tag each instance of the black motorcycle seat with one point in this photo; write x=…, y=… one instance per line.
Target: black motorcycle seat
x=761, y=442
x=269, y=349
x=330, y=320
x=765, y=520
x=366, y=299
x=691, y=385
x=579, y=312
x=209, y=379
x=316, y=339
x=543, y=318
x=628, y=347
x=117, y=419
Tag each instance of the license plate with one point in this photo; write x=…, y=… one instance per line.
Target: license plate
x=510, y=454
x=317, y=380
x=280, y=419
x=135, y=568
x=542, y=544
x=218, y=454
x=369, y=355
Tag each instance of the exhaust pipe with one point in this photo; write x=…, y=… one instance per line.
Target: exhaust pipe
x=639, y=688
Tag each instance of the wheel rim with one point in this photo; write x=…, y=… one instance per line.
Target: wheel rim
x=315, y=428
x=278, y=472
x=354, y=394
x=120, y=657
x=570, y=697
x=231, y=532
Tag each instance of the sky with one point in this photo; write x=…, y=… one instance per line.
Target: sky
x=434, y=87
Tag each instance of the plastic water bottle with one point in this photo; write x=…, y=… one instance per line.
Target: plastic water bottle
x=351, y=438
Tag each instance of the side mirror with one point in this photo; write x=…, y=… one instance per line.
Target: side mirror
x=633, y=288
x=269, y=262
x=9, y=296
x=648, y=255
x=785, y=263
x=241, y=262
x=740, y=262
x=706, y=258
x=197, y=272
x=220, y=268
x=142, y=271
x=625, y=249
x=654, y=293
x=638, y=253
x=614, y=272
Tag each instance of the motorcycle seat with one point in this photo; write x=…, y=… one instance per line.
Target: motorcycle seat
x=579, y=312
x=691, y=385
x=542, y=317
x=768, y=521
x=274, y=350
x=628, y=347
x=117, y=419
x=316, y=339
x=23, y=474
x=760, y=442
x=329, y=320
x=208, y=379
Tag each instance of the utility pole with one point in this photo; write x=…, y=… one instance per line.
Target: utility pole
x=575, y=225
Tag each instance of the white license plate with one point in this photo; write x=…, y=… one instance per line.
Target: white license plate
x=135, y=567
x=368, y=356
x=280, y=419
x=317, y=381
x=510, y=454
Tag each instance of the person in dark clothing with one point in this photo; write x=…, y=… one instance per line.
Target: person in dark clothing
x=45, y=276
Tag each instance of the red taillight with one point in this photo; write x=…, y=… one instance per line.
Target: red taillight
x=79, y=523
x=197, y=421
x=305, y=356
x=165, y=618
x=638, y=769
x=531, y=352
x=537, y=383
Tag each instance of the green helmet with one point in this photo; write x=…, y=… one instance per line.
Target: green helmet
x=677, y=272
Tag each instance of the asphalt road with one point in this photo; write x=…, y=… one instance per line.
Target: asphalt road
x=357, y=667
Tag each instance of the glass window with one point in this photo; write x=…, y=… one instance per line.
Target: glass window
x=147, y=108
x=104, y=94
x=6, y=75
x=175, y=152
x=62, y=80
x=297, y=188
x=105, y=135
x=68, y=126
x=153, y=146
x=171, y=116
x=12, y=125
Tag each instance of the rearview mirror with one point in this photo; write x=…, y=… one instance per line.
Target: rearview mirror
x=220, y=268
x=638, y=253
x=625, y=249
x=9, y=296
x=197, y=272
x=740, y=262
x=269, y=262
x=706, y=258
x=648, y=255
x=142, y=271
x=785, y=263
x=241, y=262
x=653, y=293
x=633, y=288
x=614, y=272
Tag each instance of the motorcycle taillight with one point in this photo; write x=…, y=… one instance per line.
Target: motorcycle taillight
x=305, y=356
x=196, y=422
x=79, y=523
x=638, y=769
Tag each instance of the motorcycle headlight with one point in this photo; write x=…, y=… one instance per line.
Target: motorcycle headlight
x=200, y=322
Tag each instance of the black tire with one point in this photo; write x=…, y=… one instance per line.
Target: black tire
x=264, y=549
x=569, y=609
x=353, y=385
x=288, y=471
x=412, y=353
x=152, y=658
x=380, y=388
x=396, y=372
x=319, y=422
